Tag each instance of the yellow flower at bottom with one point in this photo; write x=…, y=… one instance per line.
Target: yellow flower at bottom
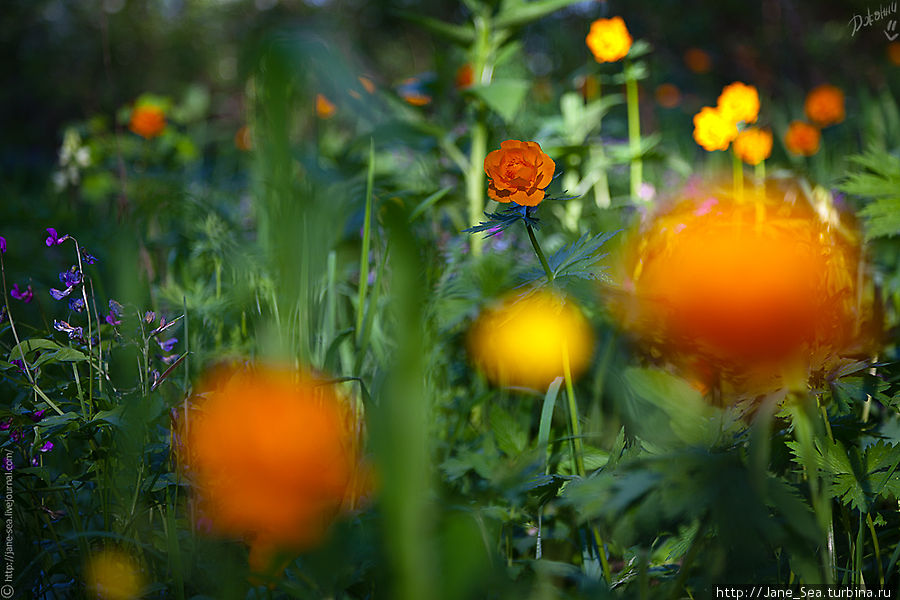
x=609, y=39
x=713, y=130
x=113, y=575
x=753, y=145
x=524, y=340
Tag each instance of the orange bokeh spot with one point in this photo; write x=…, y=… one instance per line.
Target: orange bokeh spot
x=824, y=105
x=147, y=120
x=273, y=457
x=802, y=138
x=667, y=95
x=742, y=292
x=698, y=60
x=325, y=108
x=893, y=52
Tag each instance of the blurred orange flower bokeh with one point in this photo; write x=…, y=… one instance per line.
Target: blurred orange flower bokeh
x=753, y=145
x=113, y=575
x=147, y=120
x=519, y=172
x=609, y=39
x=273, y=456
x=734, y=296
x=825, y=105
x=525, y=339
x=802, y=138
x=325, y=108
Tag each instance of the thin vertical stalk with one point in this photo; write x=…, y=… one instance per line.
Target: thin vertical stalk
x=634, y=131
x=482, y=71
x=737, y=171
x=540, y=253
x=364, y=252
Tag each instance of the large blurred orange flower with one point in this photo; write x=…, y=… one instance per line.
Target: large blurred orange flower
x=519, y=172
x=147, y=120
x=742, y=297
x=609, y=39
x=802, y=138
x=113, y=575
x=825, y=105
x=713, y=130
x=739, y=102
x=753, y=145
x=273, y=456
x=525, y=339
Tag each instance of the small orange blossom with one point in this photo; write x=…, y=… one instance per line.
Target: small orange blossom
x=753, y=145
x=739, y=102
x=609, y=39
x=825, y=105
x=147, y=120
x=713, y=130
x=802, y=138
x=519, y=172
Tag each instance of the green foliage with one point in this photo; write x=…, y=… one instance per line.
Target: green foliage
x=878, y=179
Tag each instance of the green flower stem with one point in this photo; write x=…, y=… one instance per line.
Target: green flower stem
x=364, y=251
x=481, y=70
x=634, y=132
x=578, y=457
x=737, y=170
x=760, y=173
x=540, y=254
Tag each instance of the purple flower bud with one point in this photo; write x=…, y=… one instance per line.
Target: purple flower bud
x=87, y=258
x=37, y=415
x=47, y=447
x=71, y=278
x=23, y=295
x=149, y=316
x=54, y=237
x=111, y=319
x=16, y=435
x=168, y=360
x=76, y=304
x=2, y=314
x=116, y=308
x=34, y=462
x=5, y=425
x=74, y=332
x=60, y=294
x=2, y=244
x=167, y=345
x=18, y=364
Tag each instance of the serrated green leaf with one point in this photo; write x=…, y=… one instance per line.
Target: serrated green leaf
x=510, y=436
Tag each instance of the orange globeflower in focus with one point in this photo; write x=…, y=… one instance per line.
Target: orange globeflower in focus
x=802, y=138
x=525, y=339
x=272, y=456
x=325, y=109
x=745, y=300
x=609, y=39
x=147, y=120
x=713, y=130
x=739, y=102
x=753, y=145
x=519, y=172
x=825, y=105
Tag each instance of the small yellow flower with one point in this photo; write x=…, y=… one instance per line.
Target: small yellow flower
x=825, y=105
x=113, y=575
x=609, y=39
x=325, y=109
x=753, y=145
x=802, y=138
x=523, y=341
x=713, y=130
x=739, y=102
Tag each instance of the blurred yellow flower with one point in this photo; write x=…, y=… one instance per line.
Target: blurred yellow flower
x=739, y=102
x=609, y=39
x=524, y=339
x=113, y=575
x=740, y=298
x=802, y=138
x=825, y=105
x=753, y=145
x=325, y=109
x=147, y=120
x=713, y=130
x=273, y=456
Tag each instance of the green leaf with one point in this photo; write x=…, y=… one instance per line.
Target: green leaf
x=64, y=354
x=503, y=96
x=455, y=33
x=31, y=345
x=509, y=434
x=521, y=13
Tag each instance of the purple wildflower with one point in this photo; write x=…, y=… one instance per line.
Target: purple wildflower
x=2, y=244
x=74, y=332
x=5, y=425
x=116, y=308
x=72, y=277
x=168, y=360
x=112, y=320
x=87, y=258
x=37, y=415
x=2, y=314
x=168, y=344
x=34, y=462
x=60, y=294
x=16, y=435
x=149, y=316
x=18, y=364
x=54, y=238
x=76, y=304
x=23, y=295
x=47, y=447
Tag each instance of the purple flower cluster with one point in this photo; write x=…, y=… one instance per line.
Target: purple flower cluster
x=24, y=295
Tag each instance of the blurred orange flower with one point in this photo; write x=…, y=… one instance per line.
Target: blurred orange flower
x=609, y=39
x=273, y=456
x=325, y=109
x=367, y=84
x=525, y=339
x=242, y=139
x=697, y=60
x=825, y=105
x=519, y=172
x=802, y=138
x=893, y=52
x=464, y=76
x=739, y=102
x=147, y=120
x=744, y=298
x=713, y=130
x=667, y=95
x=753, y=145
